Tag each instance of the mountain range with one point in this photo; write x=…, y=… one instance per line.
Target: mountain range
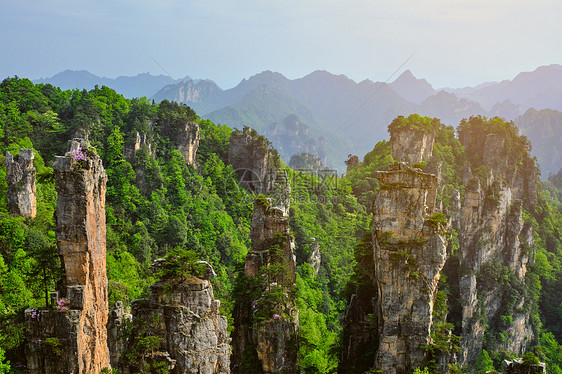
x=333, y=116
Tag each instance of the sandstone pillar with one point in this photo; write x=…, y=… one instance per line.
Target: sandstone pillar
x=409, y=250
x=265, y=338
x=76, y=330
x=20, y=175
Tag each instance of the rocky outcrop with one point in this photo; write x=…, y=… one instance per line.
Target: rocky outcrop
x=411, y=145
x=116, y=332
x=360, y=335
x=409, y=252
x=73, y=338
x=179, y=328
x=132, y=147
x=255, y=161
x=265, y=338
x=352, y=162
x=518, y=366
x=315, y=258
x=495, y=241
x=188, y=142
x=20, y=176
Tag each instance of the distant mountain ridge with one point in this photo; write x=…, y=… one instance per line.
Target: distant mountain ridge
x=140, y=85
x=332, y=116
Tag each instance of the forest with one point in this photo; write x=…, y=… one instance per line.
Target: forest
x=158, y=205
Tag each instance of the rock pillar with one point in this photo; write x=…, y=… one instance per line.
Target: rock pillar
x=409, y=250
x=179, y=328
x=72, y=338
x=265, y=338
x=20, y=175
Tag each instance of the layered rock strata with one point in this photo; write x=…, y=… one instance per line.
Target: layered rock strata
x=116, y=332
x=409, y=249
x=73, y=337
x=187, y=142
x=179, y=328
x=265, y=338
x=256, y=163
x=411, y=145
x=20, y=176
x=493, y=238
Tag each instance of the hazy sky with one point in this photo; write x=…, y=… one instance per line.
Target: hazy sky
x=454, y=42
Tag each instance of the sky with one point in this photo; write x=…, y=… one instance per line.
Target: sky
x=451, y=43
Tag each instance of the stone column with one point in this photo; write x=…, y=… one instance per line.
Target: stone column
x=71, y=337
x=80, y=231
x=20, y=175
x=265, y=338
x=409, y=250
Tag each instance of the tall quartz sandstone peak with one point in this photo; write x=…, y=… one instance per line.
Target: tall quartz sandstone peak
x=266, y=328
x=492, y=234
x=411, y=145
x=73, y=338
x=255, y=162
x=20, y=176
x=186, y=139
x=409, y=249
x=183, y=315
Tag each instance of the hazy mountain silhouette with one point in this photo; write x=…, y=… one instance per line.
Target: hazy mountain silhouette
x=332, y=116
x=137, y=86
x=544, y=130
x=539, y=89
x=411, y=88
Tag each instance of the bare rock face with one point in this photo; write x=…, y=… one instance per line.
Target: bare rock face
x=409, y=251
x=494, y=240
x=76, y=331
x=315, y=259
x=265, y=338
x=116, y=334
x=255, y=161
x=179, y=328
x=131, y=148
x=188, y=142
x=411, y=145
x=20, y=176
x=517, y=366
x=360, y=338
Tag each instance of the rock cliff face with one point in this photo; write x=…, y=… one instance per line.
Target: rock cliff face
x=116, y=335
x=73, y=338
x=188, y=142
x=494, y=240
x=265, y=338
x=131, y=148
x=179, y=328
x=409, y=252
x=517, y=366
x=411, y=145
x=20, y=176
x=255, y=161
x=495, y=250
x=408, y=248
x=185, y=138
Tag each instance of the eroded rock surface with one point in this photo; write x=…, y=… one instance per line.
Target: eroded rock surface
x=20, y=176
x=255, y=162
x=182, y=319
x=265, y=338
x=411, y=145
x=517, y=366
x=409, y=252
x=493, y=238
x=188, y=142
x=73, y=338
